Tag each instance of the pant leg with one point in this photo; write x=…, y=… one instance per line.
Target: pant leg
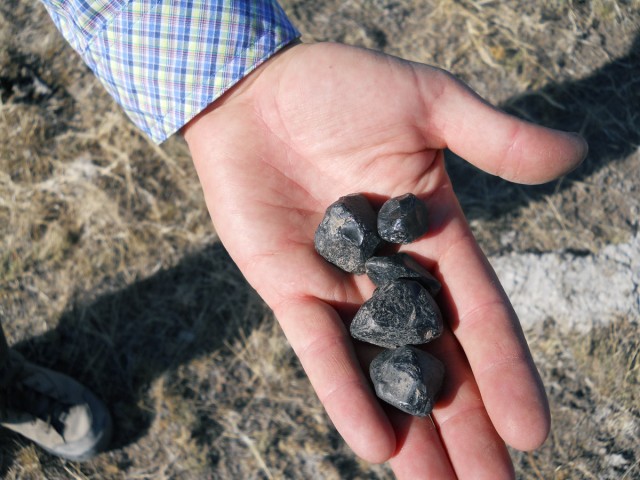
x=4, y=348
x=4, y=361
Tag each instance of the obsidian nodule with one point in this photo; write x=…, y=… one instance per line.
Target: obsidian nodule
x=347, y=235
x=407, y=378
x=401, y=312
x=382, y=270
x=403, y=219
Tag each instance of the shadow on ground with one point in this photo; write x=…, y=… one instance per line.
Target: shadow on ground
x=120, y=343
x=603, y=107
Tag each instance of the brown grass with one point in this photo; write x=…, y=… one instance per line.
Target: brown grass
x=110, y=269
x=592, y=380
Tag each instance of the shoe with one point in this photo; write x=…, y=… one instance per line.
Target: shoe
x=52, y=410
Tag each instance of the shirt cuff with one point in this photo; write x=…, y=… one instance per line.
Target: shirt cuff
x=165, y=61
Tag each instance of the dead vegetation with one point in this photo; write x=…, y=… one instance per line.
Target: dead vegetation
x=110, y=270
x=592, y=380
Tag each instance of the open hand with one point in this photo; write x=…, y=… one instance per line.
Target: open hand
x=317, y=122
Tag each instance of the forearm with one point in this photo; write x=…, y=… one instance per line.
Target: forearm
x=166, y=61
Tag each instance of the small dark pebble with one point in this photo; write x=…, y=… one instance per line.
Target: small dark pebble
x=403, y=219
x=401, y=312
x=407, y=378
x=382, y=270
x=347, y=235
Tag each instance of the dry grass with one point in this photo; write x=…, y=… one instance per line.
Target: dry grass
x=592, y=380
x=110, y=270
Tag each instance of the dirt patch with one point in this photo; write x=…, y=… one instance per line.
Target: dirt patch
x=579, y=291
x=110, y=270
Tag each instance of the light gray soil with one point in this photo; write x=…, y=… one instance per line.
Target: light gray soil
x=578, y=291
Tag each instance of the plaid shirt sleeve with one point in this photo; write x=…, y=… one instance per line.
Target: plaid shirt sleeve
x=164, y=61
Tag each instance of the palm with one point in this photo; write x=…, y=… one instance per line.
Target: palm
x=323, y=121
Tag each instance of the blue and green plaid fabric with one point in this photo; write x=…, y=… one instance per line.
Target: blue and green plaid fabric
x=164, y=61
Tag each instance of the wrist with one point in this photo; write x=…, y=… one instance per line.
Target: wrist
x=242, y=92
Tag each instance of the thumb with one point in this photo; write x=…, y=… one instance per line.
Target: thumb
x=490, y=139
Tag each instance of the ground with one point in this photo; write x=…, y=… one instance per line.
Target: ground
x=110, y=269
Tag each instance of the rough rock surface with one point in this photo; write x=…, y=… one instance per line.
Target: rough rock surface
x=407, y=378
x=347, y=235
x=382, y=270
x=403, y=219
x=401, y=312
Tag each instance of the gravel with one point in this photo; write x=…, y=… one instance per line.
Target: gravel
x=407, y=378
x=403, y=219
x=347, y=235
x=382, y=270
x=401, y=312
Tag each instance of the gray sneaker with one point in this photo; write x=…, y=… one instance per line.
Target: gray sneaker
x=53, y=410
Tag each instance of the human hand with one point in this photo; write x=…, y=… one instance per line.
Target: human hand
x=317, y=122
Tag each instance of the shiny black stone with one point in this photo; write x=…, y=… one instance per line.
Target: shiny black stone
x=382, y=270
x=403, y=219
x=401, y=312
x=347, y=235
x=407, y=378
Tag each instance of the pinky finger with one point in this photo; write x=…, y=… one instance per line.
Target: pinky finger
x=420, y=452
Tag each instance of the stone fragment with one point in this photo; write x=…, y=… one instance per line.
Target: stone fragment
x=402, y=219
x=382, y=270
x=347, y=235
x=407, y=378
x=401, y=312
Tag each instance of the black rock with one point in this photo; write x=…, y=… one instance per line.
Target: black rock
x=403, y=219
x=347, y=235
x=407, y=378
x=382, y=270
x=401, y=312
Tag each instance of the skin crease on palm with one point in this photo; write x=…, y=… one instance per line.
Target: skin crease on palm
x=319, y=121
